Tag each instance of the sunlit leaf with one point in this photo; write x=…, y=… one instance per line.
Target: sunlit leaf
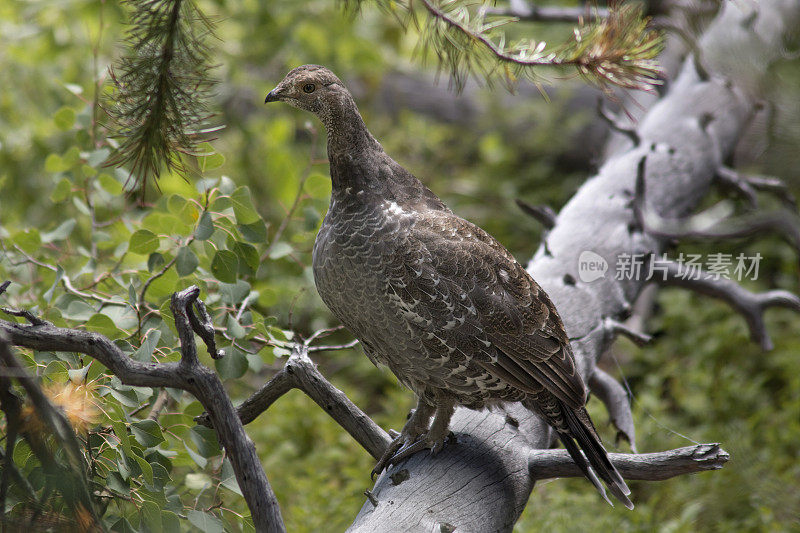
x=225, y=266
x=143, y=242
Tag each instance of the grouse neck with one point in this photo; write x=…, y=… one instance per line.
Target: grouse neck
x=347, y=133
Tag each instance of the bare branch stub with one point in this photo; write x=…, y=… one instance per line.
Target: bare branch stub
x=546, y=464
x=543, y=213
x=749, y=304
x=733, y=181
x=713, y=223
x=616, y=125
x=204, y=328
x=747, y=186
x=618, y=328
x=180, y=305
x=615, y=398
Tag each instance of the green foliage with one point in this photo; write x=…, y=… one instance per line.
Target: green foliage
x=80, y=255
x=162, y=87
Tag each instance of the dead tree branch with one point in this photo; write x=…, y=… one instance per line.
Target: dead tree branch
x=187, y=374
x=546, y=464
x=748, y=304
x=532, y=13
x=301, y=373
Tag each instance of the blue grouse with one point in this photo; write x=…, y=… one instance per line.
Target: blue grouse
x=434, y=297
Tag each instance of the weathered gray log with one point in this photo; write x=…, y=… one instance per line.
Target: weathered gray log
x=483, y=482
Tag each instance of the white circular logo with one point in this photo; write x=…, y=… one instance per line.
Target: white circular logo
x=591, y=266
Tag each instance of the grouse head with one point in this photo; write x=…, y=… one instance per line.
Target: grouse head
x=313, y=88
x=317, y=89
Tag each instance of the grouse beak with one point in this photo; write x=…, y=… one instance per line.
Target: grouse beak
x=272, y=96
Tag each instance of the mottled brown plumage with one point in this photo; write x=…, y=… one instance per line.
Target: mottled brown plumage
x=432, y=296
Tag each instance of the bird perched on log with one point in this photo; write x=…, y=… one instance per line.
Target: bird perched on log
x=435, y=298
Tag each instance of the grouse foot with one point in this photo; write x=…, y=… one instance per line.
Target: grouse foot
x=416, y=436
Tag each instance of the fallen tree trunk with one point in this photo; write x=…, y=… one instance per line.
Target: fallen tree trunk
x=484, y=481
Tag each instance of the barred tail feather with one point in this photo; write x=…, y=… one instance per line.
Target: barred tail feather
x=582, y=431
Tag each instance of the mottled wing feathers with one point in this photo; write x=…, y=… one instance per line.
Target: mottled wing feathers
x=466, y=293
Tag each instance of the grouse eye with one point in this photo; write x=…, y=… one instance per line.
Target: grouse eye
x=309, y=88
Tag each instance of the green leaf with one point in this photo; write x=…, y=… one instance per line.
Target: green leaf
x=64, y=118
x=206, y=522
x=225, y=266
x=109, y=184
x=175, y=203
x=72, y=156
x=243, y=206
x=280, y=249
x=115, y=482
x=123, y=526
x=220, y=204
x=209, y=159
x=166, y=223
x=144, y=353
x=78, y=310
x=147, y=432
x=255, y=232
x=151, y=516
x=205, y=227
x=228, y=477
x=161, y=475
x=104, y=325
x=61, y=191
x=318, y=186
x=143, y=242
x=128, y=398
x=206, y=441
x=147, y=469
x=29, y=240
x=164, y=286
x=97, y=157
x=117, y=420
x=88, y=171
x=234, y=293
x=61, y=232
x=132, y=296
x=170, y=521
x=248, y=255
x=186, y=261
x=78, y=375
x=196, y=457
x=235, y=329
x=54, y=163
x=233, y=365
x=48, y=295
x=155, y=261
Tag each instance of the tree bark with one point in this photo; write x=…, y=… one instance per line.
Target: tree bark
x=483, y=482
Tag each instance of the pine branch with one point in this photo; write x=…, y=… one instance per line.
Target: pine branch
x=162, y=86
x=615, y=50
